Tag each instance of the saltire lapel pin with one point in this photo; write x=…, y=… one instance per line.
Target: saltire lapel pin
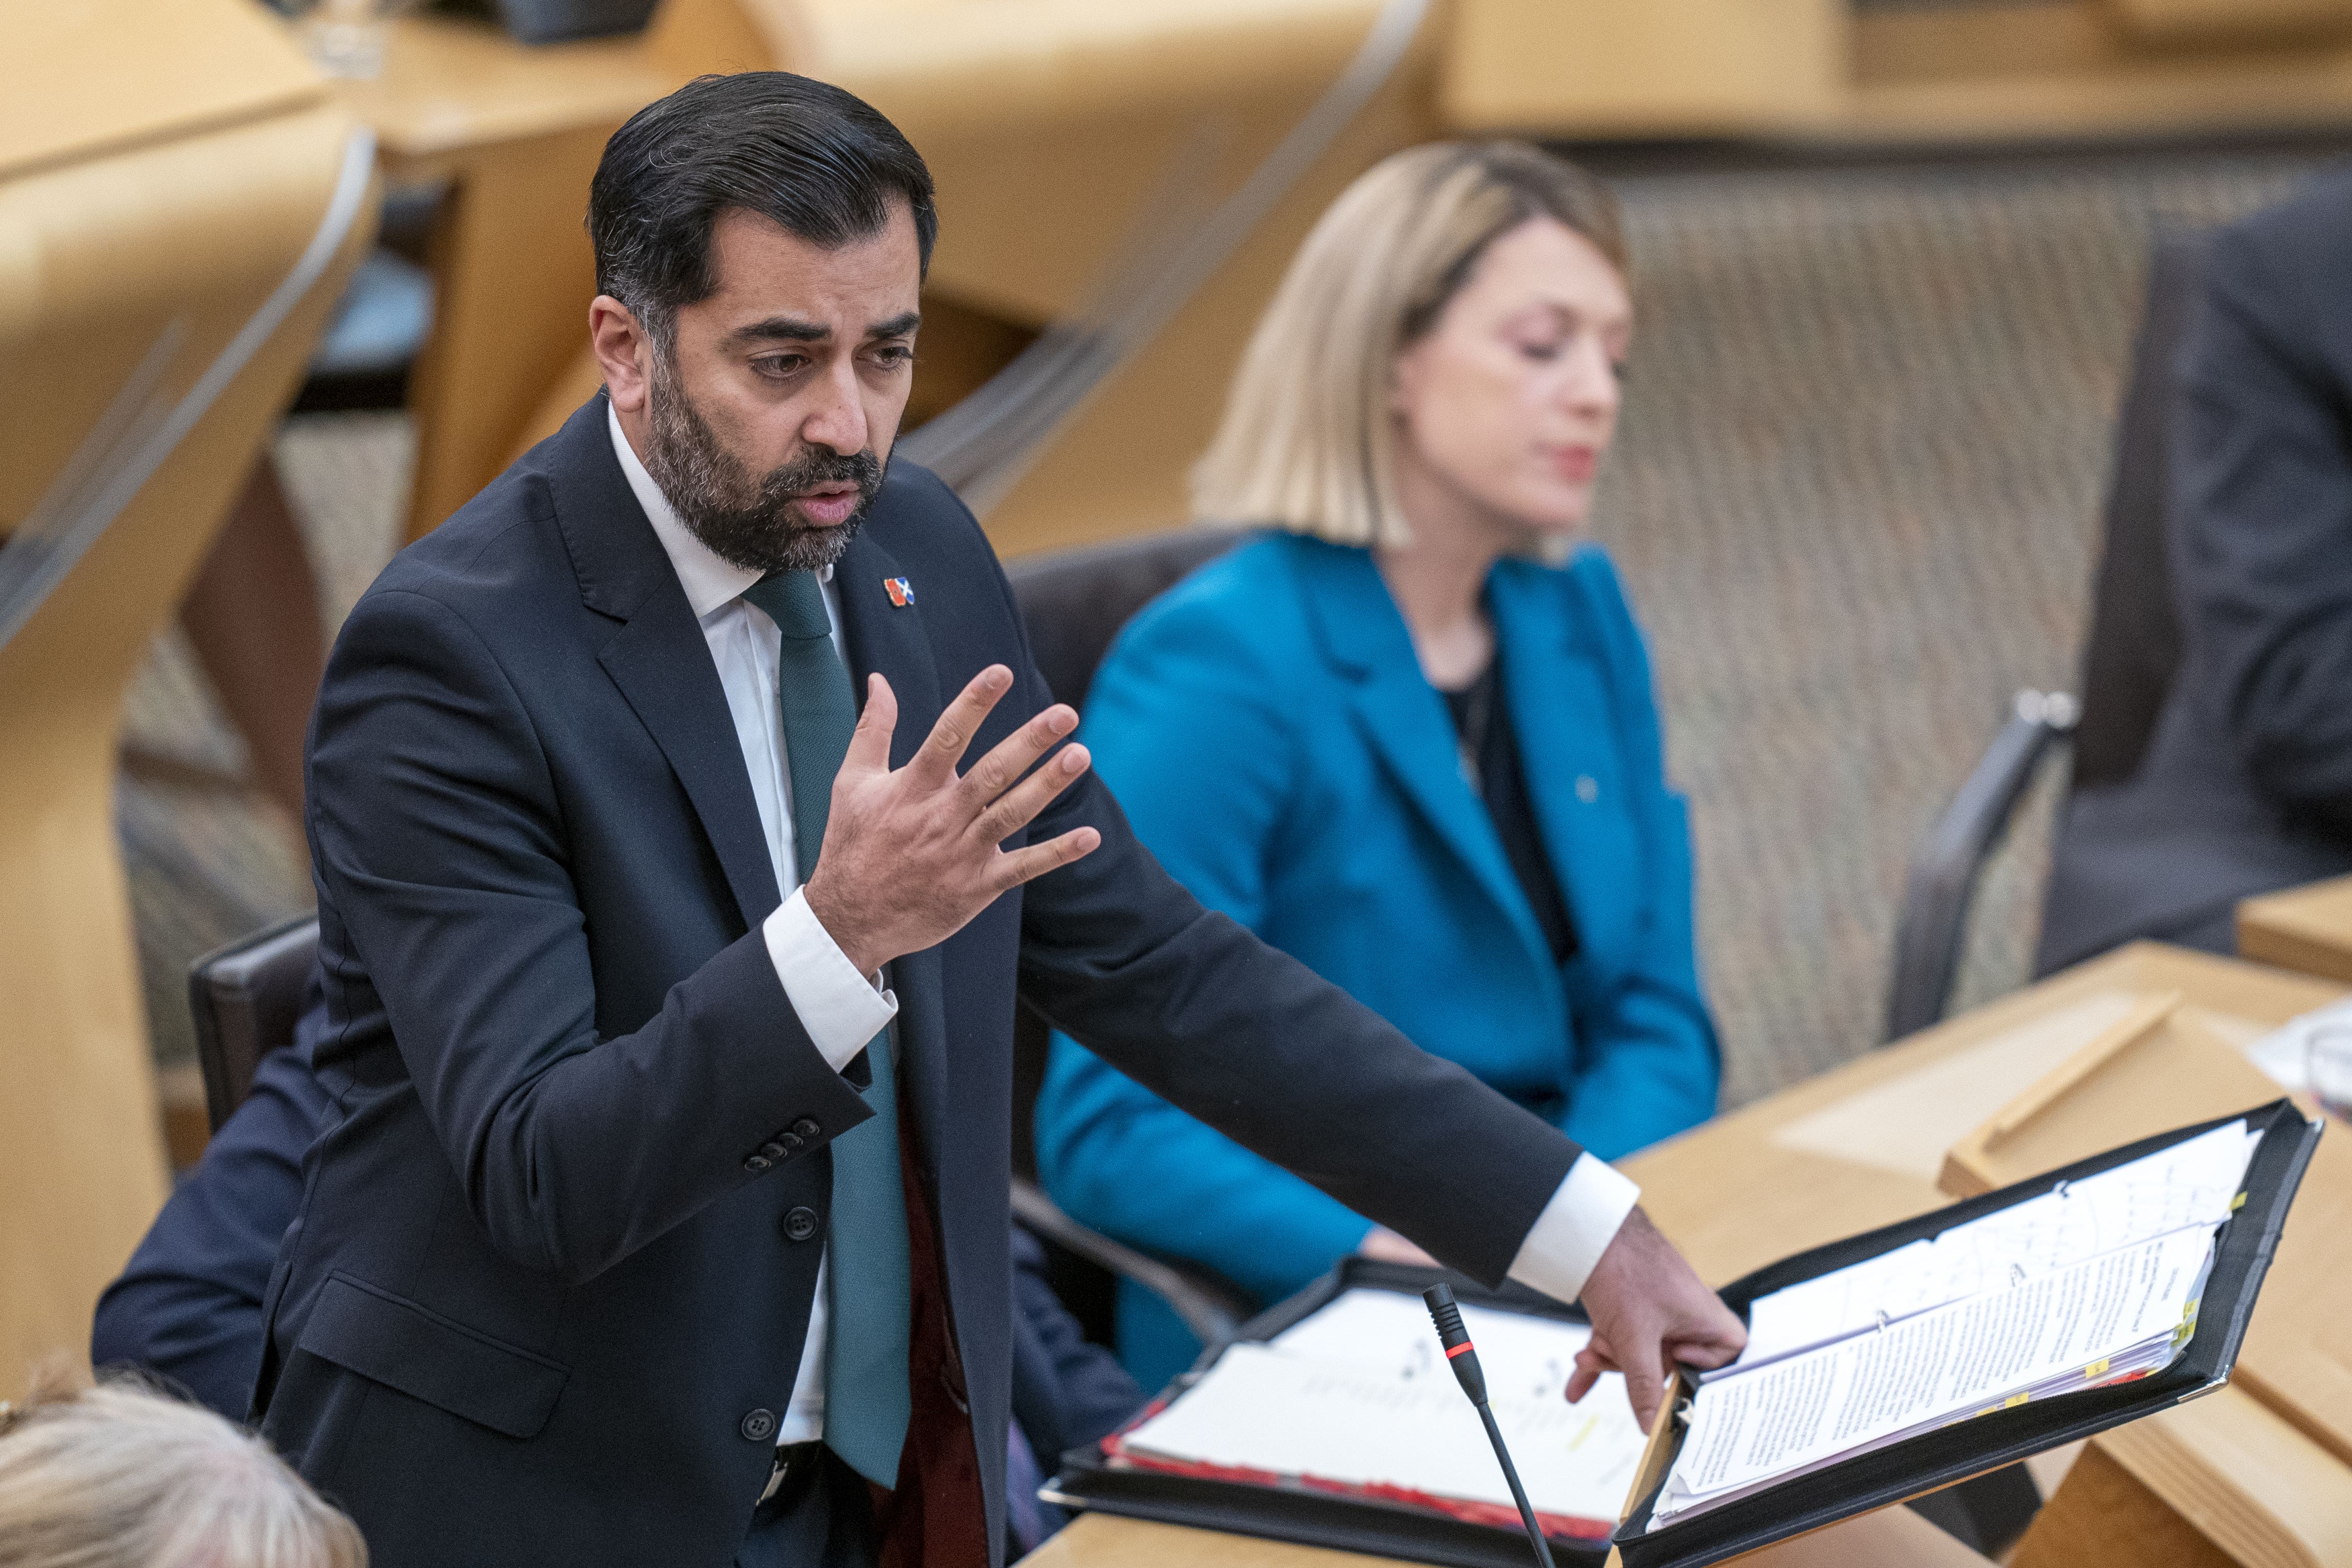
x=901, y=592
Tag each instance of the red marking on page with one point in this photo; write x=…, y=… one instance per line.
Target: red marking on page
x=1567, y=1526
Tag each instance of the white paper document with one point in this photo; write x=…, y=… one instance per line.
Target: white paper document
x=1360, y=1396
x=2088, y=1284
x=2191, y=1184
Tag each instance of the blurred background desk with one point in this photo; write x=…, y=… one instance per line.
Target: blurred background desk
x=180, y=203
x=514, y=131
x=2308, y=929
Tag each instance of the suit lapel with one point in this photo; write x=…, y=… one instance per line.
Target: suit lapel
x=658, y=656
x=1560, y=712
x=1405, y=721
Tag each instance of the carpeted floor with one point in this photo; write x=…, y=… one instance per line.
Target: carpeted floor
x=1856, y=500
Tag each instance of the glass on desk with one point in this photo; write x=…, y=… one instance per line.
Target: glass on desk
x=344, y=38
x=2330, y=1067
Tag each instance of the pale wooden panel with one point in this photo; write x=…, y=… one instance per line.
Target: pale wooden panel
x=2307, y=929
x=451, y=86
x=1645, y=67
x=102, y=257
x=2104, y=1517
x=2032, y=70
x=1881, y=1540
x=2263, y=1493
x=85, y=75
x=513, y=273
x=2221, y=20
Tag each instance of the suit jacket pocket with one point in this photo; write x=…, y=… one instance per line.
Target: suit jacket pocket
x=429, y=1357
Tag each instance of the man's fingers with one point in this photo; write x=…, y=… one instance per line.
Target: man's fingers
x=934, y=761
x=1033, y=795
x=1646, y=1382
x=1010, y=757
x=1026, y=865
x=1708, y=1351
x=869, y=744
x=1591, y=1361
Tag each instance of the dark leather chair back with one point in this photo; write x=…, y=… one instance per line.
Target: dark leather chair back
x=1073, y=601
x=2134, y=646
x=1072, y=604
x=246, y=997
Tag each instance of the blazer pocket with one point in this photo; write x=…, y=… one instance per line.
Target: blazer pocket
x=427, y=1356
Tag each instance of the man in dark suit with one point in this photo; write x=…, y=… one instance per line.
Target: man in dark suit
x=2246, y=786
x=188, y=1304
x=661, y=1213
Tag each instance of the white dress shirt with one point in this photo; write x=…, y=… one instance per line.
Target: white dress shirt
x=842, y=1009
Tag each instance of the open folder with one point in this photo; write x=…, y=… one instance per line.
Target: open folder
x=1879, y=1368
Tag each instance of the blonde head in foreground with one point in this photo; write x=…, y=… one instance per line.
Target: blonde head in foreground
x=119, y=1476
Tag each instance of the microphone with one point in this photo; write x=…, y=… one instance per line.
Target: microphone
x=1464, y=1361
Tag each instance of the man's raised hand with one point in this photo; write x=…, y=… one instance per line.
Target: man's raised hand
x=911, y=855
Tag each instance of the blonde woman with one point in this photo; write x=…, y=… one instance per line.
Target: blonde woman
x=1407, y=736
x=122, y=1477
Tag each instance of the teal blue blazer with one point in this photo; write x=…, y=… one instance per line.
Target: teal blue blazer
x=1268, y=730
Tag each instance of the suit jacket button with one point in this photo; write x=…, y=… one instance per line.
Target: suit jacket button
x=771, y=1151
x=800, y=1224
x=758, y=1427
x=790, y=1142
x=807, y=1127
x=757, y=1163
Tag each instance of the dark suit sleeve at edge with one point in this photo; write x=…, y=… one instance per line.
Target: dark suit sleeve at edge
x=2263, y=479
x=1202, y=1013
x=440, y=862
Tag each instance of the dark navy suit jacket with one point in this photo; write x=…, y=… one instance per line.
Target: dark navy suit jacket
x=541, y=1297
x=188, y=1304
x=2246, y=786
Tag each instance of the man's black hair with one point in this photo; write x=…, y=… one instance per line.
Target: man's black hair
x=820, y=162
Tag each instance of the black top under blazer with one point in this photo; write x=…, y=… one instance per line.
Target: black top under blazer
x=541, y=1300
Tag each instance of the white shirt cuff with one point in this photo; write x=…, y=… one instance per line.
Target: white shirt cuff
x=840, y=1008
x=1574, y=1229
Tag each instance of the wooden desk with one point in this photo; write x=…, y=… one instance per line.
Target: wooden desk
x=1892, y=1538
x=2219, y=1480
x=517, y=131
x=2307, y=929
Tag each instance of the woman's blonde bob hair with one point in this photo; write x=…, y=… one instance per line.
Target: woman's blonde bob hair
x=121, y=1476
x=1307, y=443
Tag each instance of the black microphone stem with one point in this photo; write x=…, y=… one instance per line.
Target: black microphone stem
x=1464, y=1360
x=1519, y=1493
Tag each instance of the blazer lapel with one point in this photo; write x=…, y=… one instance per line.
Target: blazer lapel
x=1561, y=714
x=658, y=658
x=1406, y=723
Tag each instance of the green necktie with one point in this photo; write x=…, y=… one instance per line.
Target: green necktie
x=866, y=1398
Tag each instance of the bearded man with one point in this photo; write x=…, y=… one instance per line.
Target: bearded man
x=671, y=947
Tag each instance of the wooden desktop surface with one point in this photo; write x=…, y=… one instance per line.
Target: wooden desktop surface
x=1892, y=1538
x=2307, y=929
x=452, y=87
